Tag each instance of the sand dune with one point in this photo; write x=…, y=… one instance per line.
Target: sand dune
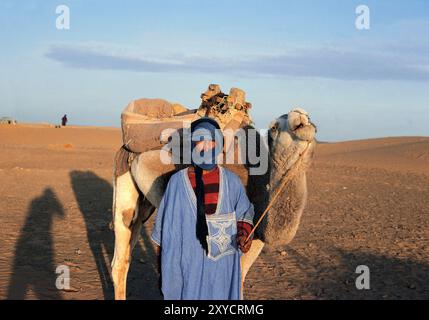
x=44, y=135
x=368, y=204
x=406, y=154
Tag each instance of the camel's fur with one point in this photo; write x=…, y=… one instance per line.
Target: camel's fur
x=139, y=191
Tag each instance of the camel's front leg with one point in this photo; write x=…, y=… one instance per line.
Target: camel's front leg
x=125, y=204
x=248, y=259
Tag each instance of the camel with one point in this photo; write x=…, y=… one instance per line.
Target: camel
x=290, y=148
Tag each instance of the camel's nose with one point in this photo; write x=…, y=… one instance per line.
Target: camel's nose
x=297, y=119
x=304, y=119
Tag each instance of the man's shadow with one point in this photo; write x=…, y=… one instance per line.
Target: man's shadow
x=94, y=196
x=33, y=266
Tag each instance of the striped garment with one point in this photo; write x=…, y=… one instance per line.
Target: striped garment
x=211, y=193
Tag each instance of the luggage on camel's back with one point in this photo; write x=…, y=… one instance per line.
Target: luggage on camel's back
x=145, y=121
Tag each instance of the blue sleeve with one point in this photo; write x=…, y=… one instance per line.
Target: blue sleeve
x=160, y=214
x=244, y=208
x=167, y=234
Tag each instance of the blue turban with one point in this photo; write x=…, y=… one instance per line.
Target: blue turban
x=206, y=129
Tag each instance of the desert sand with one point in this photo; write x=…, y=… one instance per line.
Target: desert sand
x=368, y=205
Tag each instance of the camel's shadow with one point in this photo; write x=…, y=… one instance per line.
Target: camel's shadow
x=94, y=196
x=390, y=277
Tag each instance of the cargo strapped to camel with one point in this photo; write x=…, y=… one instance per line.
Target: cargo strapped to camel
x=145, y=121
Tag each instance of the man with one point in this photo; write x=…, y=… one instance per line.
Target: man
x=202, y=222
x=64, y=120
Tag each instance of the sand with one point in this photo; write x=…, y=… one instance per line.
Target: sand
x=368, y=205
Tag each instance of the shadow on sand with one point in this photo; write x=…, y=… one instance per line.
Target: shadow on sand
x=94, y=196
x=390, y=278
x=34, y=265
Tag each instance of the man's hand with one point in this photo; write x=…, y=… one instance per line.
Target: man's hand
x=244, y=246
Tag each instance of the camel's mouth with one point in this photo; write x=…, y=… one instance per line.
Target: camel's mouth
x=305, y=131
x=299, y=127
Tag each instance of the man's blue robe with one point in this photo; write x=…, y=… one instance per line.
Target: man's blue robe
x=187, y=271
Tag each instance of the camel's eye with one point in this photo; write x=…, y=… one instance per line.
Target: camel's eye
x=274, y=127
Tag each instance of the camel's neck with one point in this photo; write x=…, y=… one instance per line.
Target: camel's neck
x=282, y=160
x=287, y=171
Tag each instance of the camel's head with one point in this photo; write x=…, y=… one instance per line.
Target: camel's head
x=289, y=135
x=292, y=127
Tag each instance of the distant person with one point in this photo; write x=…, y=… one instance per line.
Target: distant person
x=64, y=120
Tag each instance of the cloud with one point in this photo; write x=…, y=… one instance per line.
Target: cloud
x=384, y=62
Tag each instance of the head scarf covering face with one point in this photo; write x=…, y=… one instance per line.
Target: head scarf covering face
x=206, y=129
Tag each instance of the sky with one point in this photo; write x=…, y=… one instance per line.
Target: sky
x=356, y=84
